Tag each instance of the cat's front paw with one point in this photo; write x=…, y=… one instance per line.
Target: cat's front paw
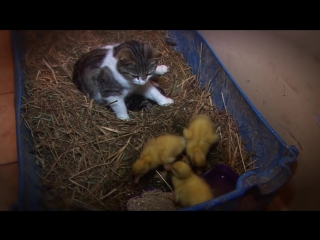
x=124, y=117
x=166, y=102
x=162, y=69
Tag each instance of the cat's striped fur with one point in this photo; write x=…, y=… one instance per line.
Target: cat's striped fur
x=113, y=72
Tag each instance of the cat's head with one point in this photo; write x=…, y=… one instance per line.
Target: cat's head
x=137, y=61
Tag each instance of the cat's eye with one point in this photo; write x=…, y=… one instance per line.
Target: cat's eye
x=134, y=76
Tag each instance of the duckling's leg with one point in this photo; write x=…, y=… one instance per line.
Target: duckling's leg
x=136, y=179
x=199, y=170
x=172, y=197
x=167, y=166
x=186, y=159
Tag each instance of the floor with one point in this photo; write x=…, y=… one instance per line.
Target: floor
x=278, y=75
x=9, y=169
x=279, y=71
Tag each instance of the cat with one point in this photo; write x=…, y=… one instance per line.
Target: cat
x=111, y=73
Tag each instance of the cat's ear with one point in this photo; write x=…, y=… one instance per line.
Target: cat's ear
x=125, y=57
x=156, y=54
x=153, y=54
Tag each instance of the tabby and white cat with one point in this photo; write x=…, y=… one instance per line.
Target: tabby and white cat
x=109, y=74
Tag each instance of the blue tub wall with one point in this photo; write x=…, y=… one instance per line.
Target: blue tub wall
x=259, y=136
x=30, y=191
x=274, y=155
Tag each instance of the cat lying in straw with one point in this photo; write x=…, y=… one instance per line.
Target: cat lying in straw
x=111, y=73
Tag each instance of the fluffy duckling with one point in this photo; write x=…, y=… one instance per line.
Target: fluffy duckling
x=161, y=150
x=189, y=188
x=200, y=135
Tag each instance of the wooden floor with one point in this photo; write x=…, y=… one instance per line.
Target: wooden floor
x=9, y=169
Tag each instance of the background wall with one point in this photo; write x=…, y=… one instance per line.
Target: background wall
x=280, y=72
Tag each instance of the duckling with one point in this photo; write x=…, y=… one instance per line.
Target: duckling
x=200, y=135
x=161, y=150
x=189, y=188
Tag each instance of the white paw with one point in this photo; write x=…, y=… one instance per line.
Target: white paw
x=167, y=102
x=124, y=117
x=162, y=69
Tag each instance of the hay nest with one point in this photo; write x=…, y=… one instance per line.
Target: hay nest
x=84, y=152
x=153, y=200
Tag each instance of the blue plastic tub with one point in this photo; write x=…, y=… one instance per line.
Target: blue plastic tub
x=275, y=156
